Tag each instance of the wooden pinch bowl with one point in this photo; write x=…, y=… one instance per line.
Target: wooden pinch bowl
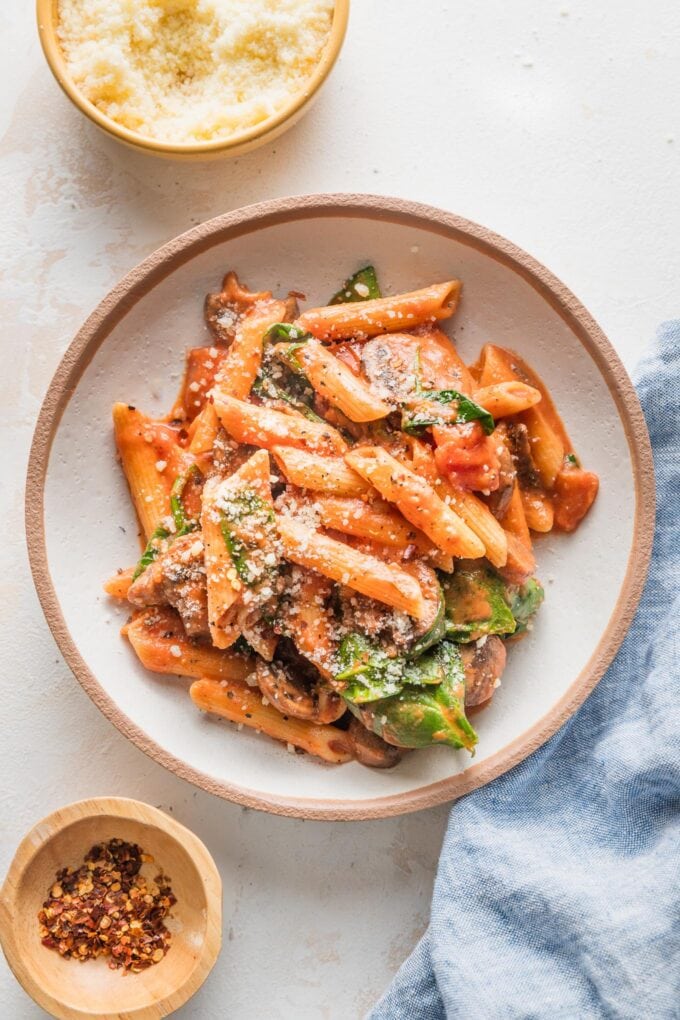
x=69, y=989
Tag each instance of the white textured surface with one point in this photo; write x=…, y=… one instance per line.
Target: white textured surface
x=557, y=125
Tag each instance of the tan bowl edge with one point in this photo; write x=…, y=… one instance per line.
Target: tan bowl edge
x=238, y=144
x=122, y=807
x=158, y=265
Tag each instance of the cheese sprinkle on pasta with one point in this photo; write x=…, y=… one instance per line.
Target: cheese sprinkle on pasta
x=183, y=71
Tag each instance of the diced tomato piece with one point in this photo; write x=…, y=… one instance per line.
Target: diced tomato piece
x=467, y=456
x=574, y=494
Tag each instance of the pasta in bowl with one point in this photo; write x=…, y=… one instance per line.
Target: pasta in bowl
x=337, y=516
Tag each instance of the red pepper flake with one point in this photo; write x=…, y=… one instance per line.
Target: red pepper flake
x=108, y=908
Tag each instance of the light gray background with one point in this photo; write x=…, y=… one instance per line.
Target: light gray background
x=556, y=124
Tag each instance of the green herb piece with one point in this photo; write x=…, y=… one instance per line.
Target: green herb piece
x=151, y=550
x=248, y=510
x=525, y=602
x=423, y=717
x=415, y=422
x=285, y=331
x=572, y=460
x=476, y=605
x=439, y=664
x=362, y=286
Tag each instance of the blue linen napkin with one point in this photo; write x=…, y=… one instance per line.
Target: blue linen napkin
x=557, y=888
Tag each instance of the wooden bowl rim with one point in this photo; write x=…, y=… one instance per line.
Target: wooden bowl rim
x=251, y=218
x=235, y=145
x=111, y=807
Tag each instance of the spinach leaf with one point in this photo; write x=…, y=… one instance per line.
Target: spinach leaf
x=266, y=387
x=285, y=331
x=415, y=422
x=476, y=604
x=525, y=602
x=434, y=633
x=247, y=510
x=424, y=716
x=361, y=286
x=371, y=673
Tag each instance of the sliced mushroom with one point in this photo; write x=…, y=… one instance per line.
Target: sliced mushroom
x=177, y=578
x=372, y=750
x=223, y=311
x=390, y=363
x=291, y=693
x=499, y=500
x=483, y=662
x=520, y=448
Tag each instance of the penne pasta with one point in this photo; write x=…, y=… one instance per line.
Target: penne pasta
x=538, y=510
x=206, y=426
x=514, y=520
x=147, y=451
x=334, y=381
x=244, y=706
x=417, y=501
x=363, y=319
x=202, y=365
x=320, y=474
x=244, y=357
x=547, y=449
x=520, y=564
x=266, y=427
x=366, y=574
x=119, y=585
x=161, y=645
x=307, y=622
x=479, y=519
x=376, y=521
x=506, y=398
x=247, y=490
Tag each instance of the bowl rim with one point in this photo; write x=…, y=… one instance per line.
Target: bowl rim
x=47, y=17
x=248, y=219
x=44, y=831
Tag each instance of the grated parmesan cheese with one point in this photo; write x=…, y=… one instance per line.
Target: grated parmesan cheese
x=192, y=70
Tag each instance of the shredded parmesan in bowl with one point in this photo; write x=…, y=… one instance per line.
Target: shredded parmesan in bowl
x=188, y=71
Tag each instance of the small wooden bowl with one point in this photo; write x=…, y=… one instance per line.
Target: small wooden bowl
x=237, y=144
x=69, y=989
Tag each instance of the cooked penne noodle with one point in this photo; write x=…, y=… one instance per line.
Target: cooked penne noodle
x=202, y=365
x=225, y=587
x=244, y=357
x=241, y=705
x=441, y=366
x=377, y=521
x=538, y=510
x=506, y=398
x=340, y=562
x=206, y=426
x=520, y=564
x=320, y=474
x=500, y=365
x=363, y=319
x=143, y=445
x=417, y=501
x=333, y=380
x=307, y=622
x=119, y=585
x=479, y=519
x=514, y=520
x=161, y=646
x=266, y=427
x=547, y=450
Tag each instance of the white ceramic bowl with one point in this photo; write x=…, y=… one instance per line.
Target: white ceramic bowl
x=131, y=348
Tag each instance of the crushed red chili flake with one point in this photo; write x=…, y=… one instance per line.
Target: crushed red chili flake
x=108, y=908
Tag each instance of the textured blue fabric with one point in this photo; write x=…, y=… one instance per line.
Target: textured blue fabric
x=557, y=888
